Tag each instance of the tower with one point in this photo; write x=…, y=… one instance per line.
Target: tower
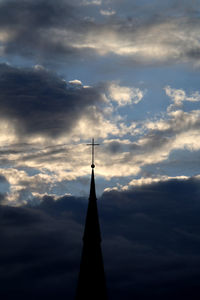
x=91, y=281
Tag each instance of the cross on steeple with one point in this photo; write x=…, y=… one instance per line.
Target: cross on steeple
x=93, y=145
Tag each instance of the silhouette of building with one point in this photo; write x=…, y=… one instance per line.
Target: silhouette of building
x=91, y=281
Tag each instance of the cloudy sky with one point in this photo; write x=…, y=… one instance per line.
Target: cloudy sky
x=127, y=74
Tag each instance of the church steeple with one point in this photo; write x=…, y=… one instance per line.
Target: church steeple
x=91, y=282
x=92, y=186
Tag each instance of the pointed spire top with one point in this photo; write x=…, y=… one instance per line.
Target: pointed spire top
x=92, y=187
x=93, y=145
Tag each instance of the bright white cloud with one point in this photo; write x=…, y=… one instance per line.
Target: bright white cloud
x=179, y=132
x=108, y=12
x=124, y=95
x=178, y=96
x=39, y=67
x=75, y=82
x=23, y=186
x=92, y=2
x=147, y=181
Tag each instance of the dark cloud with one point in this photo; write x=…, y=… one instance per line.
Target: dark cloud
x=151, y=244
x=28, y=20
x=44, y=30
x=194, y=53
x=38, y=254
x=114, y=147
x=160, y=239
x=50, y=32
x=38, y=102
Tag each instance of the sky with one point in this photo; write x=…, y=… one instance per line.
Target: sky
x=125, y=73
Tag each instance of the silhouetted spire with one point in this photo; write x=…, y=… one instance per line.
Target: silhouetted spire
x=92, y=186
x=92, y=228
x=91, y=282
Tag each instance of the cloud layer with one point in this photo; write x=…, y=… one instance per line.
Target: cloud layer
x=46, y=122
x=150, y=243
x=46, y=119
x=44, y=30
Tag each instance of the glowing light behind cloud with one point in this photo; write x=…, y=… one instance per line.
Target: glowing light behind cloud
x=140, y=121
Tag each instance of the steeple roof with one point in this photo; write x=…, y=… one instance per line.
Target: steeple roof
x=91, y=282
x=92, y=227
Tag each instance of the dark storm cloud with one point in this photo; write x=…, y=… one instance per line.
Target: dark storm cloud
x=35, y=29
x=38, y=102
x=37, y=254
x=157, y=241
x=28, y=20
x=37, y=13
x=151, y=244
